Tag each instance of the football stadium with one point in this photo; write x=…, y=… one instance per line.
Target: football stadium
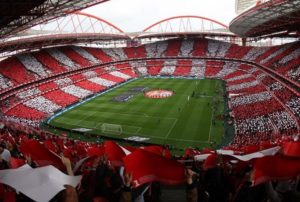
x=197, y=101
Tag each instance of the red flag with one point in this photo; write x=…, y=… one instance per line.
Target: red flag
x=114, y=152
x=210, y=162
x=190, y=152
x=2, y=191
x=154, y=149
x=266, y=145
x=130, y=148
x=40, y=154
x=60, y=143
x=167, y=153
x=10, y=139
x=95, y=151
x=69, y=153
x=16, y=163
x=49, y=145
x=23, y=138
x=148, y=167
x=80, y=150
x=250, y=149
x=9, y=196
x=291, y=149
x=158, y=150
x=275, y=168
x=207, y=151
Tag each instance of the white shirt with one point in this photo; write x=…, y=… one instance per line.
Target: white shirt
x=6, y=155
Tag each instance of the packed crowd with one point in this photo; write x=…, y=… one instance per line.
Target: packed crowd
x=42, y=104
x=86, y=54
x=76, y=91
x=102, y=82
x=258, y=97
x=252, y=98
x=294, y=105
x=78, y=59
x=284, y=59
x=112, y=172
x=254, y=108
x=243, y=85
x=216, y=49
x=168, y=68
x=40, y=101
x=117, y=54
x=173, y=48
x=156, y=50
x=187, y=47
x=89, y=74
x=283, y=121
x=256, y=100
x=32, y=64
x=4, y=82
x=62, y=58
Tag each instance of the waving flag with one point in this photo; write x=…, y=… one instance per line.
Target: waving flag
x=248, y=157
x=291, y=149
x=95, y=151
x=39, y=184
x=16, y=163
x=114, y=152
x=158, y=150
x=275, y=168
x=148, y=167
x=40, y=154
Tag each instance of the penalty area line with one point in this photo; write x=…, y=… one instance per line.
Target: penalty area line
x=139, y=115
x=174, y=123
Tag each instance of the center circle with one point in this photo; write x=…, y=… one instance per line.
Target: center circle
x=158, y=94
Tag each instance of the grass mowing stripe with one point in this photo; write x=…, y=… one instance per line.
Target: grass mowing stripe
x=174, y=120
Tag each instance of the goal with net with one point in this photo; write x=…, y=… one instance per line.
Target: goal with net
x=108, y=128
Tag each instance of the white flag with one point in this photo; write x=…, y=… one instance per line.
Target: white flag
x=40, y=184
x=267, y=152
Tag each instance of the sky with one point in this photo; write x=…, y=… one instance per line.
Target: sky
x=135, y=15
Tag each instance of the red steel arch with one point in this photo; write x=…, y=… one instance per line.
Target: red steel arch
x=78, y=23
x=100, y=19
x=185, y=16
x=73, y=28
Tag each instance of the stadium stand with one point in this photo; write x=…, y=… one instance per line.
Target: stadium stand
x=154, y=67
x=77, y=58
x=77, y=150
x=262, y=91
x=53, y=65
x=13, y=70
x=99, y=54
x=173, y=48
x=242, y=82
x=183, y=68
x=60, y=98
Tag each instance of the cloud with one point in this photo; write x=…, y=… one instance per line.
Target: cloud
x=135, y=15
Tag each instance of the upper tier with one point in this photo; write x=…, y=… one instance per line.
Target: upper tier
x=273, y=18
x=25, y=68
x=266, y=96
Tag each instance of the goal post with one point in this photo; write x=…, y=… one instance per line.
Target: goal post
x=108, y=128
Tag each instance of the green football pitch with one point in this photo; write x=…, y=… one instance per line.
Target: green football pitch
x=188, y=118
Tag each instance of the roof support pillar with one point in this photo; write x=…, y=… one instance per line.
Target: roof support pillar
x=244, y=40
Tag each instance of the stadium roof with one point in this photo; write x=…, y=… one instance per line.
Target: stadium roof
x=82, y=28
x=18, y=15
x=73, y=28
x=269, y=18
x=186, y=25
